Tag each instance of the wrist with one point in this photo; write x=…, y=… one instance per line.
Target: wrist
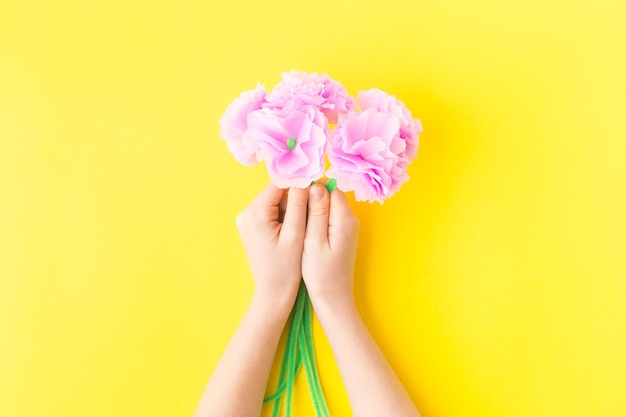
x=328, y=309
x=277, y=303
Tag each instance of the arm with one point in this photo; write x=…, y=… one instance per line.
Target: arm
x=274, y=250
x=328, y=267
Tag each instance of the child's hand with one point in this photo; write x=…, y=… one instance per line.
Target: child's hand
x=272, y=229
x=329, y=248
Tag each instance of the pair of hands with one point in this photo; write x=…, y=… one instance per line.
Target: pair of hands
x=303, y=233
x=288, y=235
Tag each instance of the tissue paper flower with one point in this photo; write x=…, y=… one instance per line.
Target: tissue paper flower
x=369, y=150
x=364, y=154
x=234, y=124
x=291, y=143
x=299, y=88
x=410, y=128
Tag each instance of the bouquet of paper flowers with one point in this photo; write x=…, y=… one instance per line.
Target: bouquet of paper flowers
x=307, y=119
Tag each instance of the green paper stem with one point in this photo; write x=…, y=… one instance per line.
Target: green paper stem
x=331, y=184
x=310, y=364
x=299, y=351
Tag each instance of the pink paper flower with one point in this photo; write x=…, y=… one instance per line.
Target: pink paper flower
x=288, y=128
x=410, y=128
x=364, y=154
x=291, y=143
x=299, y=88
x=234, y=124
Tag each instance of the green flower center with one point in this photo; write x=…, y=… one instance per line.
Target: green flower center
x=291, y=143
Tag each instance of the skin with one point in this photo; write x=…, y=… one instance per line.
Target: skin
x=309, y=234
x=328, y=269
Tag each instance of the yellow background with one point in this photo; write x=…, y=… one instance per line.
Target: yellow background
x=494, y=281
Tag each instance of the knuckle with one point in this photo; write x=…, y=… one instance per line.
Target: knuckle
x=239, y=222
x=318, y=211
x=350, y=222
x=242, y=219
x=297, y=199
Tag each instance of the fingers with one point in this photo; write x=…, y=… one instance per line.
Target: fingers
x=273, y=202
x=263, y=211
x=343, y=224
x=294, y=222
x=319, y=209
x=340, y=208
x=270, y=196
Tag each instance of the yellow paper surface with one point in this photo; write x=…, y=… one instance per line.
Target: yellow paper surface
x=494, y=281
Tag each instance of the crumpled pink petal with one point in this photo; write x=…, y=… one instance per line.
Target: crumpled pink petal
x=299, y=88
x=375, y=139
x=269, y=132
x=410, y=128
x=234, y=124
x=370, y=150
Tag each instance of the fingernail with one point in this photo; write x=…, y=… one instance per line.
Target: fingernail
x=317, y=192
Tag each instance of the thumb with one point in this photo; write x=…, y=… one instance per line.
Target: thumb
x=317, y=219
